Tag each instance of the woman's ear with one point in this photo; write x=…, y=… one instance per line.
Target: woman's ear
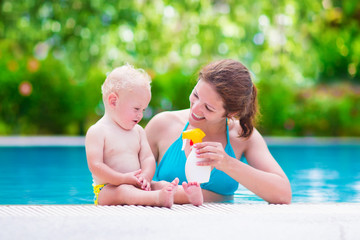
x=231, y=115
x=112, y=99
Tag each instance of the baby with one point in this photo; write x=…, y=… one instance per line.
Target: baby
x=118, y=153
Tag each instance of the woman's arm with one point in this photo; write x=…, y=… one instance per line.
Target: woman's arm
x=267, y=179
x=263, y=176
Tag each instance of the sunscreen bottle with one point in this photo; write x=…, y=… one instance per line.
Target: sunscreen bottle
x=194, y=173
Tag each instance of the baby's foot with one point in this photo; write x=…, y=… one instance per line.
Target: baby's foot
x=166, y=194
x=194, y=193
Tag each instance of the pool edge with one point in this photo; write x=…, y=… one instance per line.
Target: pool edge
x=7, y=141
x=212, y=221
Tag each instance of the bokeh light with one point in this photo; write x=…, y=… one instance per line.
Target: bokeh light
x=25, y=88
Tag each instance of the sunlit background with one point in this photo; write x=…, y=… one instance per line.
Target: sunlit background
x=304, y=57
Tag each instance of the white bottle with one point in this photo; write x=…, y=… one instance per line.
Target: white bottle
x=195, y=173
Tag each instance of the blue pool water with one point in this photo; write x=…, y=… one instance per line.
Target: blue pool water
x=59, y=175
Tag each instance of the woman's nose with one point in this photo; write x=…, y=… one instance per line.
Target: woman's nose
x=196, y=106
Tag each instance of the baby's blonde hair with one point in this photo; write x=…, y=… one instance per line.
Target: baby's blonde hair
x=125, y=77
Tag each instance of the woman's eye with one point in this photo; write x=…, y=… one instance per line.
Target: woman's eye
x=195, y=95
x=207, y=108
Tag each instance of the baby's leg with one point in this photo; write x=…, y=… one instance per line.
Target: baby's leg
x=187, y=193
x=130, y=195
x=166, y=194
x=194, y=193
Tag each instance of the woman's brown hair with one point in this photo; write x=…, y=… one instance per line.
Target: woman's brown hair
x=232, y=81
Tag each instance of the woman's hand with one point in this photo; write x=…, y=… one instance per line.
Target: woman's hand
x=212, y=153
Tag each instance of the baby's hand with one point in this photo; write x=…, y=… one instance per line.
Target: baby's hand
x=145, y=184
x=133, y=178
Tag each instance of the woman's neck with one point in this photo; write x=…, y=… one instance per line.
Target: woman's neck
x=215, y=131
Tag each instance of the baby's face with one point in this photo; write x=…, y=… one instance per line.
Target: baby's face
x=130, y=106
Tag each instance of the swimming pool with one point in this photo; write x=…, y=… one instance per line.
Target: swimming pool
x=319, y=173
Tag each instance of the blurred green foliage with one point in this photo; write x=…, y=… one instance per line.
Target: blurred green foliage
x=304, y=56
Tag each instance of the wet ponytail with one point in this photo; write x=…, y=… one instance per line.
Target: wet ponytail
x=247, y=122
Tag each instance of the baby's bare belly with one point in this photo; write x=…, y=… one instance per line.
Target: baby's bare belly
x=123, y=163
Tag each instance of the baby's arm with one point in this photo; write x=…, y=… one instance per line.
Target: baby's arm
x=94, y=145
x=146, y=157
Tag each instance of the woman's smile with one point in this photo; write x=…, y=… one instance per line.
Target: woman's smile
x=196, y=117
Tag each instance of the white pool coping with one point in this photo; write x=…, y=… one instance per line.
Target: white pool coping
x=42, y=141
x=80, y=141
x=210, y=221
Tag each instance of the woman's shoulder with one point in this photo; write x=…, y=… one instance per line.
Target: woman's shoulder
x=167, y=121
x=170, y=117
x=234, y=132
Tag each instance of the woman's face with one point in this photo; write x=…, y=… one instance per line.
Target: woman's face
x=206, y=105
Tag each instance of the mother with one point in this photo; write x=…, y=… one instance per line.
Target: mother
x=223, y=104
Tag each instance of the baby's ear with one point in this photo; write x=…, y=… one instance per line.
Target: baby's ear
x=112, y=99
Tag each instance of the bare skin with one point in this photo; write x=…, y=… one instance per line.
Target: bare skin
x=188, y=193
x=119, y=155
x=194, y=193
x=262, y=175
x=130, y=195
